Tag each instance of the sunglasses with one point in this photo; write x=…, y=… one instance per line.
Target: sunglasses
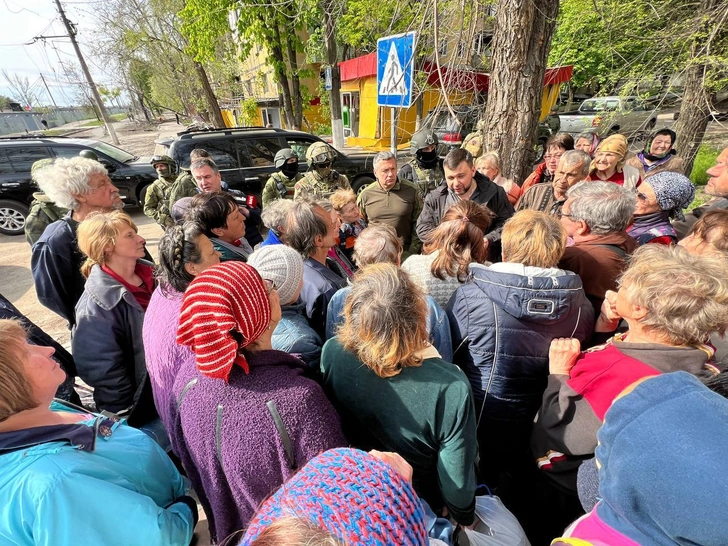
x=323, y=165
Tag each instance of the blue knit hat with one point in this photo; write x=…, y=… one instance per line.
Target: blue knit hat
x=352, y=495
x=674, y=192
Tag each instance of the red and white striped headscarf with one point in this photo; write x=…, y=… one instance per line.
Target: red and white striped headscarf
x=227, y=297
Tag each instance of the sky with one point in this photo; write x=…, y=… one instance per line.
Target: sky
x=21, y=21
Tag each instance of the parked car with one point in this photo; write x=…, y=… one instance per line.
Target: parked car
x=450, y=133
x=131, y=174
x=608, y=115
x=245, y=155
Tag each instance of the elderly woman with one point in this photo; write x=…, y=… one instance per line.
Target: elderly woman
x=283, y=266
x=184, y=252
x=352, y=223
x=556, y=145
x=609, y=165
x=336, y=257
x=379, y=244
x=587, y=142
x=247, y=418
x=107, y=339
x=672, y=302
x=658, y=155
x=502, y=323
x=219, y=215
x=489, y=165
x=395, y=393
x=274, y=218
x=449, y=250
x=63, y=469
x=660, y=198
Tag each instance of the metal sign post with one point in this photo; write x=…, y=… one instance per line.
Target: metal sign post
x=395, y=75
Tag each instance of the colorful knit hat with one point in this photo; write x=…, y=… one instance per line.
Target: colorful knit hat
x=674, y=192
x=225, y=308
x=352, y=495
x=281, y=265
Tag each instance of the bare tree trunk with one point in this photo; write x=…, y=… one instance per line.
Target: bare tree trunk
x=337, y=124
x=295, y=83
x=521, y=42
x=695, y=108
x=213, y=106
x=276, y=50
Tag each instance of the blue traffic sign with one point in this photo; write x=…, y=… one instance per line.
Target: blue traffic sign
x=395, y=70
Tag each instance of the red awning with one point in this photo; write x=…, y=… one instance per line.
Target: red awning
x=359, y=67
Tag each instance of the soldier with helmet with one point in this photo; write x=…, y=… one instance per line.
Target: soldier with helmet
x=321, y=180
x=424, y=171
x=282, y=183
x=156, y=202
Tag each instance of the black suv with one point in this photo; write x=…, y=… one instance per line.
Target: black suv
x=129, y=173
x=245, y=155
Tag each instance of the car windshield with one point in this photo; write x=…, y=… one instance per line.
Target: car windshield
x=599, y=105
x=442, y=121
x=112, y=151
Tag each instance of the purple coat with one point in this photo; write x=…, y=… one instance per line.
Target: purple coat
x=228, y=442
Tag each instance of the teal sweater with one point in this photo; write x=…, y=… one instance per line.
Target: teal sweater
x=424, y=413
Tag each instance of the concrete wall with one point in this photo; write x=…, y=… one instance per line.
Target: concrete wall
x=20, y=122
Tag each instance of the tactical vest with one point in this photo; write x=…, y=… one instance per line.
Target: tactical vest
x=426, y=179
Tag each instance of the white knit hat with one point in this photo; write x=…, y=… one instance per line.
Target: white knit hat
x=281, y=265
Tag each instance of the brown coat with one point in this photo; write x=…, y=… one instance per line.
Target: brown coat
x=674, y=164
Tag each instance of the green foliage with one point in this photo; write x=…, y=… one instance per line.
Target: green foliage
x=5, y=102
x=703, y=161
x=248, y=111
x=205, y=25
x=366, y=20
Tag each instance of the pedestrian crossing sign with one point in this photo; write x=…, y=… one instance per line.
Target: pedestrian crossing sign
x=395, y=70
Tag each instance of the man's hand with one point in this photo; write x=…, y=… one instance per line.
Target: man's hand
x=396, y=461
x=563, y=353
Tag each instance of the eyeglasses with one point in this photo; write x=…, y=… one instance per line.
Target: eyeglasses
x=270, y=286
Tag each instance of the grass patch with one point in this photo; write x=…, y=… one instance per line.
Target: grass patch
x=703, y=161
x=97, y=123
x=700, y=199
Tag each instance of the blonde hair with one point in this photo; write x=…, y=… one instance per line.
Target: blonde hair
x=377, y=243
x=385, y=319
x=489, y=158
x=97, y=233
x=686, y=296
x=533, y=238
x=16, y=390
x=340, y=198
x=294, y=531
x=712, y=230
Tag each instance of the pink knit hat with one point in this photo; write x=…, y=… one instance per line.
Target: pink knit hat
x=226, y=298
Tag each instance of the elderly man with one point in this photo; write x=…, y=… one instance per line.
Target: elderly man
x=573, y=167
x=185, y=185
x=391, y=201
x=596, y=215
x=463, y=182
x=312, y=231
x=717, y=187
x=83, y=186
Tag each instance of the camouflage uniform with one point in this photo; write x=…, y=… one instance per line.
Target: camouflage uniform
x=424, y=180
x=313, y=185
x=184, y=186
x=43, y=212
x=279, y=186
x=156, y=202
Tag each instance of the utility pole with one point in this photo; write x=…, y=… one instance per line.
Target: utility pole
x=97, y=98
x=49, y=91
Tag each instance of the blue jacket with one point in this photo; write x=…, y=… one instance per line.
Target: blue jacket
x=293, y=335
x=67, y=485
x=319, y=285
x=107, y=343
x=437, y=323
x=502, y=326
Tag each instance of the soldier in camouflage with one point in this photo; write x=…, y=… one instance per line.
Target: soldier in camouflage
x=281, y=184
x=156, y=202
x=43, y=211
x=321, y=180
x=424, y=171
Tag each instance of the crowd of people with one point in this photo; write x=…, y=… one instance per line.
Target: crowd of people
x=354, y=373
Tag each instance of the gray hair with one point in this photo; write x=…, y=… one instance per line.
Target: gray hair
x=382, y=156
x=325, y=204
x=303, y=225
x=377, y=244
x=204, y=162
x=606, y=207
x=575, y=157
x=274, y=215
x=491, y=158
x=66, y=177
x=586, y=135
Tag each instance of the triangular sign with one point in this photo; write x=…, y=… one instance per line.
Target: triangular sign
x=393, y=79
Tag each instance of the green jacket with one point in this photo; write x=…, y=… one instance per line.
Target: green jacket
x=279, y=186
x=313, y=185
x=184, y=186
x=43, y=212
x=156, y=202
x=399, y=207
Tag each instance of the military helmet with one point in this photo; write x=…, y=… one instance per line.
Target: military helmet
x=171, y=163
x=319, y=152
x=282, y=156
x=89, y=154
x=422, y=139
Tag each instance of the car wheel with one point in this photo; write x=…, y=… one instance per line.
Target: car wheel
x=12, y=217
x=361, y=183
